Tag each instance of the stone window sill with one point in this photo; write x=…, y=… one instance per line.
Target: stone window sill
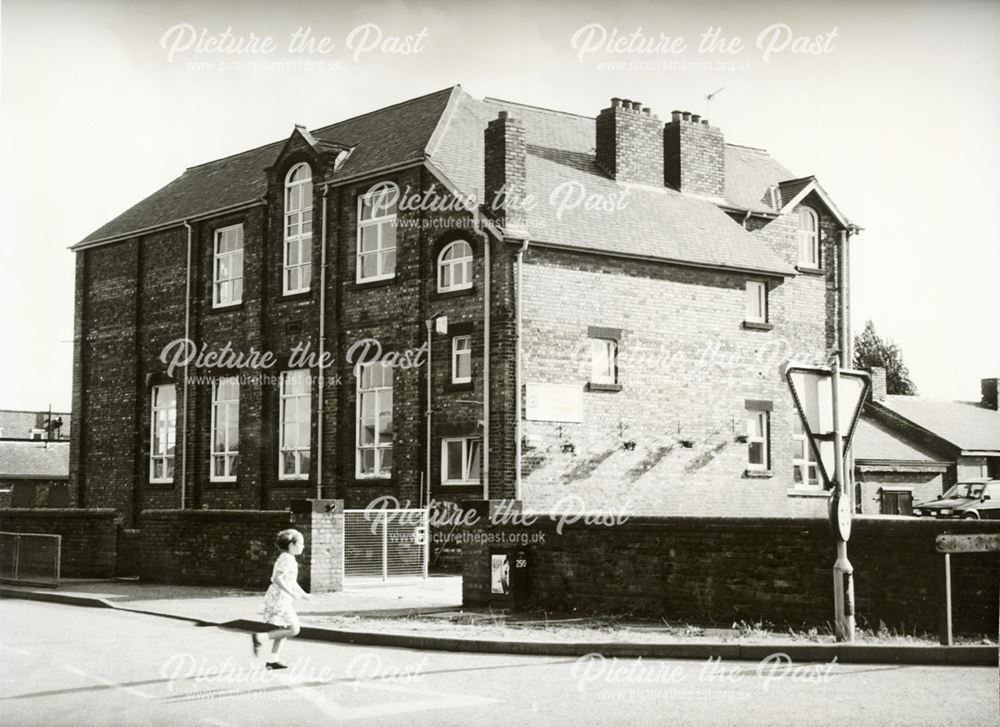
x=809, y=271
x=808, y=492
x=758, y=474
x=304, y=295
x=374, y=283
x=757, y=326
x=603, y=387
x=453, y=293
x=466, y=386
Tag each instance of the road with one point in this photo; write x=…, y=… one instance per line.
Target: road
x=68, y=665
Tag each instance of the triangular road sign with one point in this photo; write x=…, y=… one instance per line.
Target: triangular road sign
x=812, y=390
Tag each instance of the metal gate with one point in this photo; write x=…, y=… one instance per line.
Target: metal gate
x=33, y=558
x=383, y=544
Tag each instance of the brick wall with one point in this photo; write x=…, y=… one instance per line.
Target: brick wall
x=629, y=143
x=89, y=537
x=704, y=570
x=694, y=156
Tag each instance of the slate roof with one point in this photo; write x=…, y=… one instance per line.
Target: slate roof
x=447, y=127
x=653, y=222
x=969, y=427
x=16, y=424
x=390, y=135
x=875, y=441
x=34, y=460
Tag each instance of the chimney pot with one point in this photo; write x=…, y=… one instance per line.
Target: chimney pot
x=675, y=116
x=704, y=122
x=695, y=118
x=646, y=110
x=686, y=115
x=615, y=102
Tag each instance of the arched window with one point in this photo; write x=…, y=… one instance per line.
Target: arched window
x=297, y=273
x=377, y=232
x=455, y=267
x=808, y=237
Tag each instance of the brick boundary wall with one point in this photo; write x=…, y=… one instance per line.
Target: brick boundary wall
x=89, y=537
x=703, y=570
x=236, y=547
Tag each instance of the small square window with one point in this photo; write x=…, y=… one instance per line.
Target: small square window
x=460, y=461
x=603, y=361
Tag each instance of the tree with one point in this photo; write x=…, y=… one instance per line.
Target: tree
x=870, y=350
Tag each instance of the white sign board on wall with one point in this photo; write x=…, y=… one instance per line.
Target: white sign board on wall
x=553, y=402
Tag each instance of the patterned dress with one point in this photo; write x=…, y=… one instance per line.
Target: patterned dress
x=278, y=608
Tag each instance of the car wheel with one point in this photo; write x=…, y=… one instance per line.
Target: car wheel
x=971, y=515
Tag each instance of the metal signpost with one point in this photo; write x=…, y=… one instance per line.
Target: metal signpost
x=829, y=401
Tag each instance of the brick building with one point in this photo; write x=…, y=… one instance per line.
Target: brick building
x=649, y=278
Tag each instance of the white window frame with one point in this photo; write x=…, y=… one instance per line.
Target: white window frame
x=803, y=465
x=456, y=352
x=808, y=239
x=762, y=420
x=230, y=256
x=301, y=220
x=379, y=222
x=169, y=427
x=756, y=302
x=376, y=445
x=301, y=402
x=463, y=264
x=467, y=476
x=223, y=412
x=610, y=351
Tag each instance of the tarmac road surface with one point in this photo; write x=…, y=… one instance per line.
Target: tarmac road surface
x=68, y=665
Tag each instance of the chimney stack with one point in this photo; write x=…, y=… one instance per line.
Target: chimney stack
x=989, y=389
x=630, y=143
x=878, y=388
x=694, y=155
x=505, y=171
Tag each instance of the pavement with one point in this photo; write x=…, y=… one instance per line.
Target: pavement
x=90, y=667
x=369, y=605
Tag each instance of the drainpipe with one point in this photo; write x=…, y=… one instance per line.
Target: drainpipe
x=322, y=349
x=846, y=354
x=485, y=449
x=187, y=337
x=517, y=372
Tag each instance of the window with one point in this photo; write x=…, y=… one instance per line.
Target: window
x=37, y=434
x=461, y=359
x=603, y=361
x=460, y=461
x=757, y=435
x=377, y=232
x=374, y=439
x=808, y=235
x=298, y=230
x=296, y=408
x=896, y=502
x=228, y=288
x=225, y=428
x=162, y=433
x=756, y=302
x=455, y=267
x=804, y=470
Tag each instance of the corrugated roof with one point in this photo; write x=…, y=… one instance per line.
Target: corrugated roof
x=653, y=222
x=874, y=441
x=384, y=137
x=34, y=459
x=969, y=427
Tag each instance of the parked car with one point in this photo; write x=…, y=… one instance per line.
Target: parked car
x=973, y=499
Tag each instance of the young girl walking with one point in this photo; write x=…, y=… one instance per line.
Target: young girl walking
x=284, y=588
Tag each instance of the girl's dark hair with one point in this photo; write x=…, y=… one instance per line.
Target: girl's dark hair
x=286, y=538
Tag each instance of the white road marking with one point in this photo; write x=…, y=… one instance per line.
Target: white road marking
x=107, y=682
x=16, y=650
x=216, y=722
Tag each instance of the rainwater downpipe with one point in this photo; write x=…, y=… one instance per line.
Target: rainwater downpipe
x=322, y=349
x=517, y=369
x=486, y=365
x=187, y=337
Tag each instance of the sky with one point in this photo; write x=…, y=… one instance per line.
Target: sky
x=895, y=112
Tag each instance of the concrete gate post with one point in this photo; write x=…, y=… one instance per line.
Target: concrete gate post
x=321, y=565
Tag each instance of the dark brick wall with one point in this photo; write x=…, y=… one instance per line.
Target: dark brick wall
x=694, y=157
x=712, y=570
x=629, y=143
x=210, y=547
x=89, y=537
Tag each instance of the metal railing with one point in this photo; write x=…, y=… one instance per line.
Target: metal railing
x=384, y=544
x=30, y=558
